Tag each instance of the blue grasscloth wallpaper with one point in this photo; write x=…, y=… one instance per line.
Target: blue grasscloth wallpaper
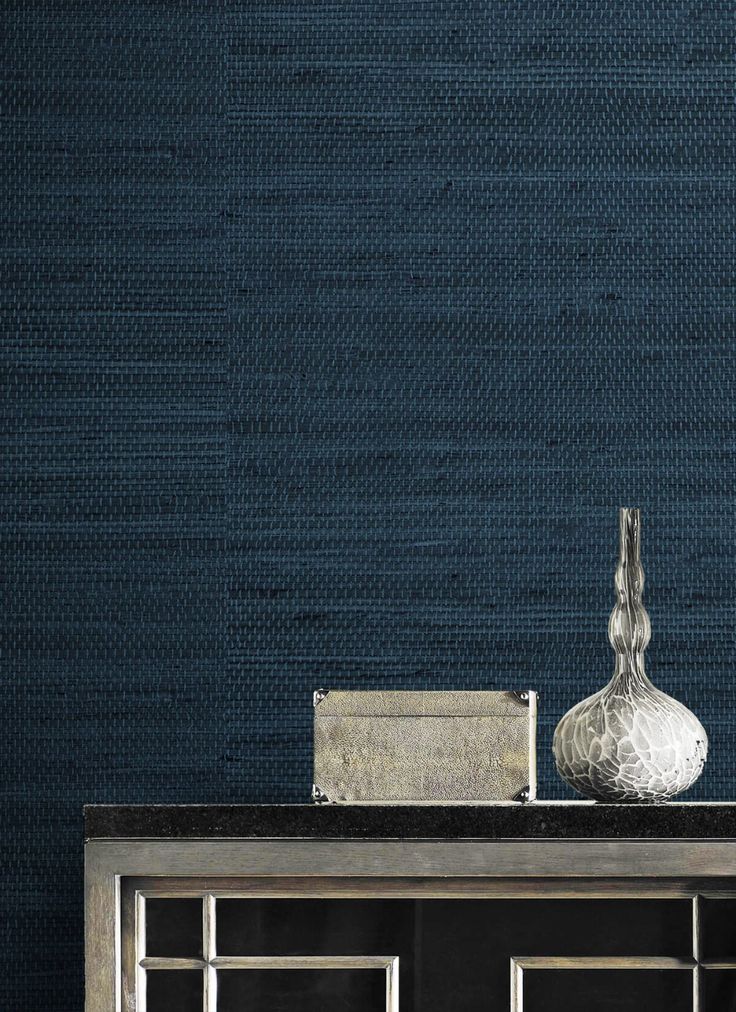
x=335, y=334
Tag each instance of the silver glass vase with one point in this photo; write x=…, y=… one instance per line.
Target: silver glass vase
x=630, y=742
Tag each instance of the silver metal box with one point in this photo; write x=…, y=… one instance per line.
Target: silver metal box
x=424, y=746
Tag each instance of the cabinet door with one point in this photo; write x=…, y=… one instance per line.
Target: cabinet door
x=534, y=948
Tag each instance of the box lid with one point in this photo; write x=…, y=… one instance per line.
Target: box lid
x=346, y=703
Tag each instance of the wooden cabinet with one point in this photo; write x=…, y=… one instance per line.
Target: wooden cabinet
x=323, y=923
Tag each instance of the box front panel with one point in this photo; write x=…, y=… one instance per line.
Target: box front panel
x=424, y=746
x=422, y=758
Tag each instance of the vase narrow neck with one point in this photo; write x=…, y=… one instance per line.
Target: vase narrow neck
x=629, y=629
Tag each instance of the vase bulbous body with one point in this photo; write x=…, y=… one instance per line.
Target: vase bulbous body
x=630, y=742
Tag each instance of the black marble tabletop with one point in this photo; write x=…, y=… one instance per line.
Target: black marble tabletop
x=491, y=821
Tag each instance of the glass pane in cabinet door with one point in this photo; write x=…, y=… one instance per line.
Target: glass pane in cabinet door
x=261, y=927
x=719, y=990
x=174, y=927
x=301, y=990
x=718, y=928
x=174, y=990
x=608, y=991
x=467, y=946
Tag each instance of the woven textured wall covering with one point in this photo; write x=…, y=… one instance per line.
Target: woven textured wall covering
x=336, y=335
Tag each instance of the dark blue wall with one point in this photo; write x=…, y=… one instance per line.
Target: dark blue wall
x=336, y=333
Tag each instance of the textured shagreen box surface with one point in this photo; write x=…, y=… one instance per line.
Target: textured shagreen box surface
x=425, y=746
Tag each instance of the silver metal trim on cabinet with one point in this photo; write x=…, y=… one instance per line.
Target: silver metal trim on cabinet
x=463, y=858
x=389, y=964
x=212, y=961
x=521, y=963
x=102, y=947
x=696, y=966
x=458, y=866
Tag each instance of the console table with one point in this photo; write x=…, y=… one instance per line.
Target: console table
x=373, y=908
